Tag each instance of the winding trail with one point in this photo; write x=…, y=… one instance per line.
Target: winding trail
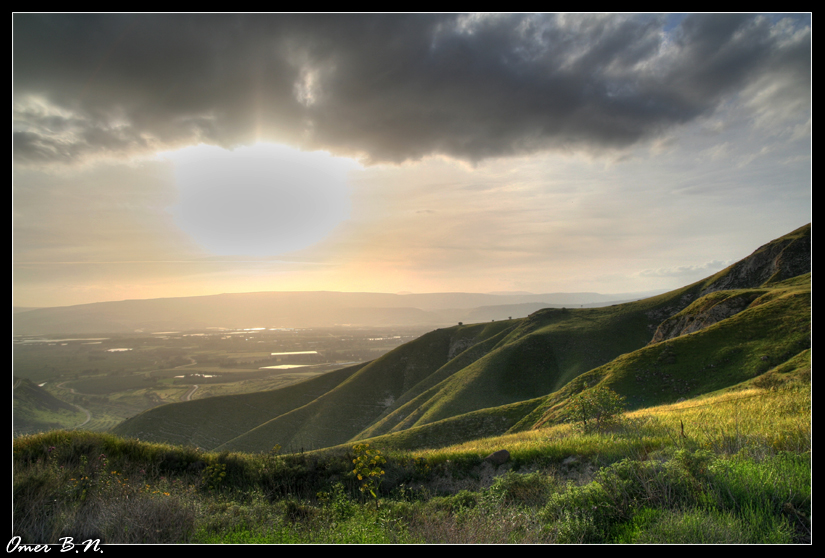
x=188, y=395
x=73, y=392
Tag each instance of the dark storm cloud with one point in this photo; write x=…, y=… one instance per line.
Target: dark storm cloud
x=388, y=87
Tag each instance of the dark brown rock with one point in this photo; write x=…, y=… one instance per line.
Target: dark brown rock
x=499, y=457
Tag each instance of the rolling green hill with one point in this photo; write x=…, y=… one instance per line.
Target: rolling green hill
x=748, y=321
x=36, y=410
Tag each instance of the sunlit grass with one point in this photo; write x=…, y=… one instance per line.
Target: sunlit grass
x=753, y=419
x=739, y=472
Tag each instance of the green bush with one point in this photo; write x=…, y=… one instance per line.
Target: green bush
x=595, y=409
x=530, y=489
x=338, y=502
x=581, y=514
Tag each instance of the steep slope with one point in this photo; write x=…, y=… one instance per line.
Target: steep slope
x=458, y=370
x=352, y=406
x=781, y=259
x=786, y=257
x=771, y=335
x=726, y=329
x=206, y=423
x=765, y=345
x=709, y=309
x=542, y=354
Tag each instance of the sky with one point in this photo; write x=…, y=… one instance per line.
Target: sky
x=180, y=155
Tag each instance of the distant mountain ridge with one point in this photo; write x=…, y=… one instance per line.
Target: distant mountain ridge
x=748, y=323
x=290, y=309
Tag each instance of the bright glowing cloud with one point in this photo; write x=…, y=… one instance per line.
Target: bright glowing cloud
x=262, y=200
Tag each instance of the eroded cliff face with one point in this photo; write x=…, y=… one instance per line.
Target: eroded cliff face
x=776, y=261
x=702, y=314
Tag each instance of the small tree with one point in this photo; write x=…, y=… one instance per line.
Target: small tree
x=595, y=409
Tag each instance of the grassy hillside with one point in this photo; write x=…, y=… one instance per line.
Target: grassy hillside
x=445, y=373
x=740, y=352
x=731, y=327
x=774, y=330
x=341, y=413
x=36, y=410
x=207, y=422
x=740, y=474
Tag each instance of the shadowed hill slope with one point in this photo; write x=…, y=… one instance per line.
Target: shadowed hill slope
x=35, y=409
x=206, y=423
x=439, y=375
x=352, y=406
x=485, y=379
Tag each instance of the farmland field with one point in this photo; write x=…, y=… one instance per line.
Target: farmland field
x=113, y=378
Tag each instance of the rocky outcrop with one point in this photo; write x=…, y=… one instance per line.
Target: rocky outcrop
x=703, y=313
x=499, y=457
x=458, y=346
x=660, y=315
x=781, y=259
x=776, y=261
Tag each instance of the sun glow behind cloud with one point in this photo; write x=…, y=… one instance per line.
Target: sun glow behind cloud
x=262, y=200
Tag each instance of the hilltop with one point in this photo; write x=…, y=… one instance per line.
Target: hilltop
x=749, y=321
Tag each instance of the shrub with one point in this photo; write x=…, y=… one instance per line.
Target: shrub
x=368, y=468
x=595, y=409
x=213, y=476
x=530, y=489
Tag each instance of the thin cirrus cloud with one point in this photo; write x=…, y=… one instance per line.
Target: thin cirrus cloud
x=687, y=270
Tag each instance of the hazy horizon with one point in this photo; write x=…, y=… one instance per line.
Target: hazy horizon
x=159, y=156
x=596, y=298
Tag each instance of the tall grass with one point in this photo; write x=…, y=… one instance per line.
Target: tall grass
x=728, y=468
